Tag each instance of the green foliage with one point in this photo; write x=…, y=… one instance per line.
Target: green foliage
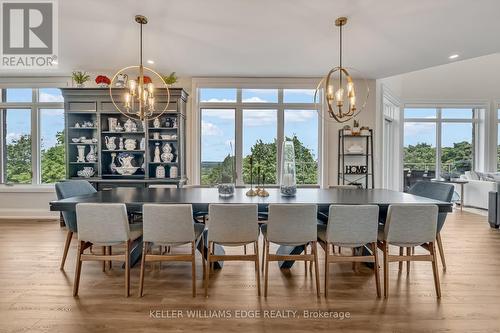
x=19, y=161
x=454, y=159
x=264, y=155
x=53, y=165
x=170, y=79
x=80, y=77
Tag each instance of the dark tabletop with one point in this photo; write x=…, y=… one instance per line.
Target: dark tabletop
x=134, y=198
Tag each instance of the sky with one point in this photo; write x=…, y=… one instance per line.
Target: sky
x=415, y=132
x=19, y=120
x=218, y=125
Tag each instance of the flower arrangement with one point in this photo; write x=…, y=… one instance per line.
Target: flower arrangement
x=102, y=81
x=80, y=78
x=147, y=79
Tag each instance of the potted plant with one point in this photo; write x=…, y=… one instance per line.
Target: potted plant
x=102, y=81
x=80, y=78
x=170, y=79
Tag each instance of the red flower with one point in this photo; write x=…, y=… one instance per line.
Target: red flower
x=147, y=79
x=102, y=79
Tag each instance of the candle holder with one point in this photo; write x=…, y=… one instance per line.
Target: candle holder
x=262, y=191
x=251, y=192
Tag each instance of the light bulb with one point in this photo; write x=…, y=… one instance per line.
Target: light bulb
x=339, y=96
x=151, y=88
x=352, y=100
x=132, y=84
x=329, y=94
x=127, y=100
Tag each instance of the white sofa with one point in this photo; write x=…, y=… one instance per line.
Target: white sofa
x=476, y=190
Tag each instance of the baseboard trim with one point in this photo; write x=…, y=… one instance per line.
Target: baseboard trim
x=38, y=214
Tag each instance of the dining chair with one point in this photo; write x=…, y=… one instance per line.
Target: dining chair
x=232, y=225
x=350, y=226
x=410, y=225
x=68, y=189
x=291, y=225
x=344, y=187
x=437, y=191
x=104, y=225
x=170, y=225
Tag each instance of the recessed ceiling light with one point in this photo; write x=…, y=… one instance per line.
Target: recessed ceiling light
x=151, y=62
x=453, y=56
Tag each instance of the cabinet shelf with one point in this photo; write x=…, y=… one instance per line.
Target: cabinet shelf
x=123, y=151
x=127, y=133
x=83, y=162
x=82, y=128
x=347, y=159
x=162, y=128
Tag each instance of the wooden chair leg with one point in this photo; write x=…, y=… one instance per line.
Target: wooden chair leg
x=408, y=253
x=143, y=265
x=327, y=264
x=435, y=272
x=257, y=268
x=110, y=252
x=69, y=236
x=203, y=256
x=245, y=249
x=263, y=253
x=400, y=264
x=78, y=270
x=193, y=266
x=266, y=274
x=376, y=268
x=305, y=261
x=386, y=270
x=127, y=269
x=104, y=262
x=441, y=250
x=207, y=275
x=314, y=246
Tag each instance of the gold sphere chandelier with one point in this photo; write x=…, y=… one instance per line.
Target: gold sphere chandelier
x=139, y=101
x=339, y=90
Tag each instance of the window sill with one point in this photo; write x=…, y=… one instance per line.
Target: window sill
x=28, y=188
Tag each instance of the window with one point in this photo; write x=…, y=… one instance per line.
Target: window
x=438, y=142
x=255, y=122
x=32, y=136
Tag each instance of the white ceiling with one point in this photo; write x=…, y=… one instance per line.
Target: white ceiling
x=275, y=38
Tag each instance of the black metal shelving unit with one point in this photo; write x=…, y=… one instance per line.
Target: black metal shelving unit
x=364, y=159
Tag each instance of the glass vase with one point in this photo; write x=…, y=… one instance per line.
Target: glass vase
x=288, y=180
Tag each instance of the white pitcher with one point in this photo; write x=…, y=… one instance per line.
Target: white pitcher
x=110, y=142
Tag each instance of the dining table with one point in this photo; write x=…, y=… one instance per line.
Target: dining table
x=202, y=197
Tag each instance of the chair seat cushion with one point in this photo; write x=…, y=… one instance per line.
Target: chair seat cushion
x=198, y=229
x=135, y=230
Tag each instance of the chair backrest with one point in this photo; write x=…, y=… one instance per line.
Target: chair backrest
x=167, y=224
x=234, y=224
x=344, y=187
x=162, y=186
x=352, y=225
x=411, y=225
x=72, y=188
x=102, y=223
x=292, y=224
x=437, y=191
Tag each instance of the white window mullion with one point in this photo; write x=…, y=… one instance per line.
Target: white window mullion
x=238, y=139
x=438, y=143
x=35, y=139
x=280, y=135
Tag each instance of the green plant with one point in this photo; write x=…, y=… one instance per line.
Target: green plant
x=170, y=79
x=80, y=77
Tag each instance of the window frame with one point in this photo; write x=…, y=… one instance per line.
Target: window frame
x=35, y=106
x=239, y=106
x=439, y=121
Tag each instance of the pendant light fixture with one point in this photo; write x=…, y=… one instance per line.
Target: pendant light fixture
x=339, y=90
x=139, y=101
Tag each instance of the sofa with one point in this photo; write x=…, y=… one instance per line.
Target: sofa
x=476, y=191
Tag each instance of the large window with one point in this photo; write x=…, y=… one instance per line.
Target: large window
x=32, y=136
x=252, y=124
x=438, y=142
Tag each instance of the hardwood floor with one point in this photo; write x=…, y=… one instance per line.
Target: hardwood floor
x=35, y=296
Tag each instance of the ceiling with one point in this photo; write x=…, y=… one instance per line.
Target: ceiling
x=274, y=38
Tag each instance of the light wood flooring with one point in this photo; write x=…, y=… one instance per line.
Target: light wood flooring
x=35, y=296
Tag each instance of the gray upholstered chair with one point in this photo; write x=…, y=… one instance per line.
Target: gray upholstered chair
x=350, y=226
x=232, y=225
x=409, y=226
x=292, y=225
x=344, y=187
x=104, y=225
x=170, y=225
x=436, y=191
x=68, y=189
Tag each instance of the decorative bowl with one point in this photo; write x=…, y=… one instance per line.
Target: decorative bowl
x=166, y=137
x=126, y=171
x=75, y=140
